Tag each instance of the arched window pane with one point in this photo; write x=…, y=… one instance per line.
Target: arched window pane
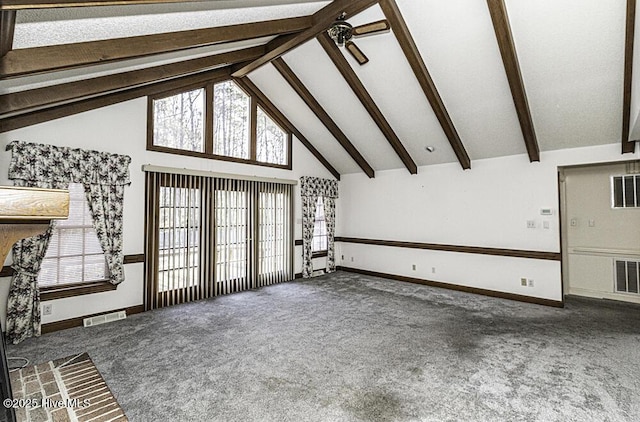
x=231, y=111
x=271, y=144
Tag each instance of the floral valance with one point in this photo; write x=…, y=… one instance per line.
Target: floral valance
x=315, y=186
x=31, y=162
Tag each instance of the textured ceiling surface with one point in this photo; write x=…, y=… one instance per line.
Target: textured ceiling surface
x=571, y=55
x=50, y=79
x=61, y=27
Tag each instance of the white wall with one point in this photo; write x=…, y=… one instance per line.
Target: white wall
x=597, y=233
x=487, y=206
x=121, y=129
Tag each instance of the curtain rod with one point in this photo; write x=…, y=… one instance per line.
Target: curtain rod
x=204, y=173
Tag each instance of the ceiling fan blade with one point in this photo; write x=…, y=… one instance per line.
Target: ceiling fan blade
x=356, y=52
x=371, y=28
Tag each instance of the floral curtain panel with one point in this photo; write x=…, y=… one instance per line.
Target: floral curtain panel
x=23, y=302
x=104, y=176
x=311, y=189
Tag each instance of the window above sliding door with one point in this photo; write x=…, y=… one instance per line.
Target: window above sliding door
x=231, y=121
x=179, y=121
x=219, y=121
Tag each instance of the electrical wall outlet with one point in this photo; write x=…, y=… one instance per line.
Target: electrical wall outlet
x=523, y=282
x=351, y=259
x=413, y=267
x=531, y=224
x=47, y=309
x=433, y=270
x=530, y=283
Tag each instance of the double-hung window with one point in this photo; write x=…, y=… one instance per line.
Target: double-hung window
x=74, y=255
x=319, y=244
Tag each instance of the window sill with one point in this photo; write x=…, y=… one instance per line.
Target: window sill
x=71, y=290
x=169, y=150
x=319, y=254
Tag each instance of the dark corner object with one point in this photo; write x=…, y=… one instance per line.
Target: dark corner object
x=6, y=413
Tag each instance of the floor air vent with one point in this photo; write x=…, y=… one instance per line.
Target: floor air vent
x=103, y=319
x=627, y=276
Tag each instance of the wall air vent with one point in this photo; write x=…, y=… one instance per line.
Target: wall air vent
x=103, y=319
x=627, y=276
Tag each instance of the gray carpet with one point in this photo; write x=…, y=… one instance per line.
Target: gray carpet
x=346, y=347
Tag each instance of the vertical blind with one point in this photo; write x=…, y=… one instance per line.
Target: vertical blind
x=208, y=236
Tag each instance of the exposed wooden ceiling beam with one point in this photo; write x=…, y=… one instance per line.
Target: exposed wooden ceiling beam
x=57, y=57
x=69, y=109
x=324, y=117
x=54, y=4
x=321, y=21
x=408, y=45
x=7, y=26
x=361, y=92
x=39, y=98
x=264, y=101
x=628, y=147
x=502, y=28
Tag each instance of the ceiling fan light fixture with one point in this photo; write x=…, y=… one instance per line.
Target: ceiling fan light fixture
x=340, y=32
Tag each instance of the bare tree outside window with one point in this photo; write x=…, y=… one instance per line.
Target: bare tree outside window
x=178, y=238
x=231, y=222
x=231, y=113
x=272, y=249
x=218, y=121
x=271, y=144
x=179, y=121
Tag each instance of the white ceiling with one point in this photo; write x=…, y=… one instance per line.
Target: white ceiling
x=63, y=26
x=53, y=78
x=572, y=58
x=571, y=55
x=458, y=45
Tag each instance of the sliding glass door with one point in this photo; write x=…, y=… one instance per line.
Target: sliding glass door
x=274, y=230
x=208, y=236
x=232, y=236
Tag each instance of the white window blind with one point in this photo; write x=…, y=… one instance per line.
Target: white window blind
x=74, y=254
x=319, y=229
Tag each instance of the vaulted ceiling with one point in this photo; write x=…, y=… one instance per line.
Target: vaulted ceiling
x=452, y=81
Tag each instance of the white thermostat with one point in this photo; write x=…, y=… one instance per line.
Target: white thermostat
x=546, y=211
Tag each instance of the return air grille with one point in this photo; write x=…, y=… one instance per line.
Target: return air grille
x=627, y=276
x=103, y=319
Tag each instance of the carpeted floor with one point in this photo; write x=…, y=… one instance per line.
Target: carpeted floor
x=345, y=347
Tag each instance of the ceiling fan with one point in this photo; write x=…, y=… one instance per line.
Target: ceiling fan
x=342, y=31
